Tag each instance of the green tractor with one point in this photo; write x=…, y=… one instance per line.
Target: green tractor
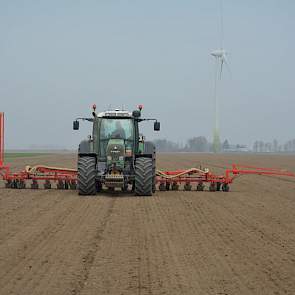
x=116, y=155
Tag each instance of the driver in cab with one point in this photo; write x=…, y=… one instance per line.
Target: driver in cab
x=119, y=132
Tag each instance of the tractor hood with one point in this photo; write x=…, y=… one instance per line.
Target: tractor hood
x=115, y=153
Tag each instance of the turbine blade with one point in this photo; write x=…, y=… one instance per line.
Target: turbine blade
x=221, y=67
x=227, y=65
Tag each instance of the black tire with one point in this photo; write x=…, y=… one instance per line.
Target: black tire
x=98, y=186
x=86, y=176
x=144, y=177
x=200, y=187
x=225, y=187
x=154, y=179
x=218, y=186
x=212, y=187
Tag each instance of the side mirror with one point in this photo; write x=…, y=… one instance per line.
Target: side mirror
x=157, y=126
x=76, y=125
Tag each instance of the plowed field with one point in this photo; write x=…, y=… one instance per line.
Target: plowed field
x=241, y=242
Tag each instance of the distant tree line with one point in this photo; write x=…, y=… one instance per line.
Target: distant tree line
x=201, y=144
x=194, y=144
x=164, y=145
x=274, y=146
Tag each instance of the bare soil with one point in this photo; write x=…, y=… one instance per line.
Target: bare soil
x=241, y=242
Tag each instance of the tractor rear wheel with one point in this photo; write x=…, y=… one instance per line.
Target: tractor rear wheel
x=154, y=178
x=144, y=177
x=86, y=176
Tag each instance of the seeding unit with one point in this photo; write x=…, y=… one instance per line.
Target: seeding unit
x=63, y=177
x=66, y=178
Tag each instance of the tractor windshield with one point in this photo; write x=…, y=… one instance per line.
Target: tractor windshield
x=116, y=129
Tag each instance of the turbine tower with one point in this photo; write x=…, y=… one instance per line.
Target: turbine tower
x=220, y=56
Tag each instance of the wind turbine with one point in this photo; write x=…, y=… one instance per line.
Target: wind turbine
x=220, y=56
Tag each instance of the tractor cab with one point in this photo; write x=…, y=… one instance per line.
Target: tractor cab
x=116, y=140
x=116, y=130
x=118, y=153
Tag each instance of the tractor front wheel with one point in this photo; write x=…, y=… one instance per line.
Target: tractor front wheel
x=144, y=177
x=86, y=176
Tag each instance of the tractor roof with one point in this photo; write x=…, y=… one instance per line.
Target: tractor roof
x=115, y=113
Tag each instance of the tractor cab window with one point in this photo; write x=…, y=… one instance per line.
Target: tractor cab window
x=116, y=129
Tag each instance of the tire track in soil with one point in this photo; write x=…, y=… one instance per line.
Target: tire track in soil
x=79, y=262
x=200, y=254
x=88, y=259
x=117, y=257
x=177, y=270
x=136, y=254
x=159, y=270
x=228, y=279
x=150, y=263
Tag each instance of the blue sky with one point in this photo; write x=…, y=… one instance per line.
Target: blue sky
x=59, y=57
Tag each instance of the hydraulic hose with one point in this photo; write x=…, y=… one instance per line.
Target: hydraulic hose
x=37, y=168
x=188, y=171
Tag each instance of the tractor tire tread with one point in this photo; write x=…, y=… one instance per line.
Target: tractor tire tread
x=144, y=177
x=87, y=175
